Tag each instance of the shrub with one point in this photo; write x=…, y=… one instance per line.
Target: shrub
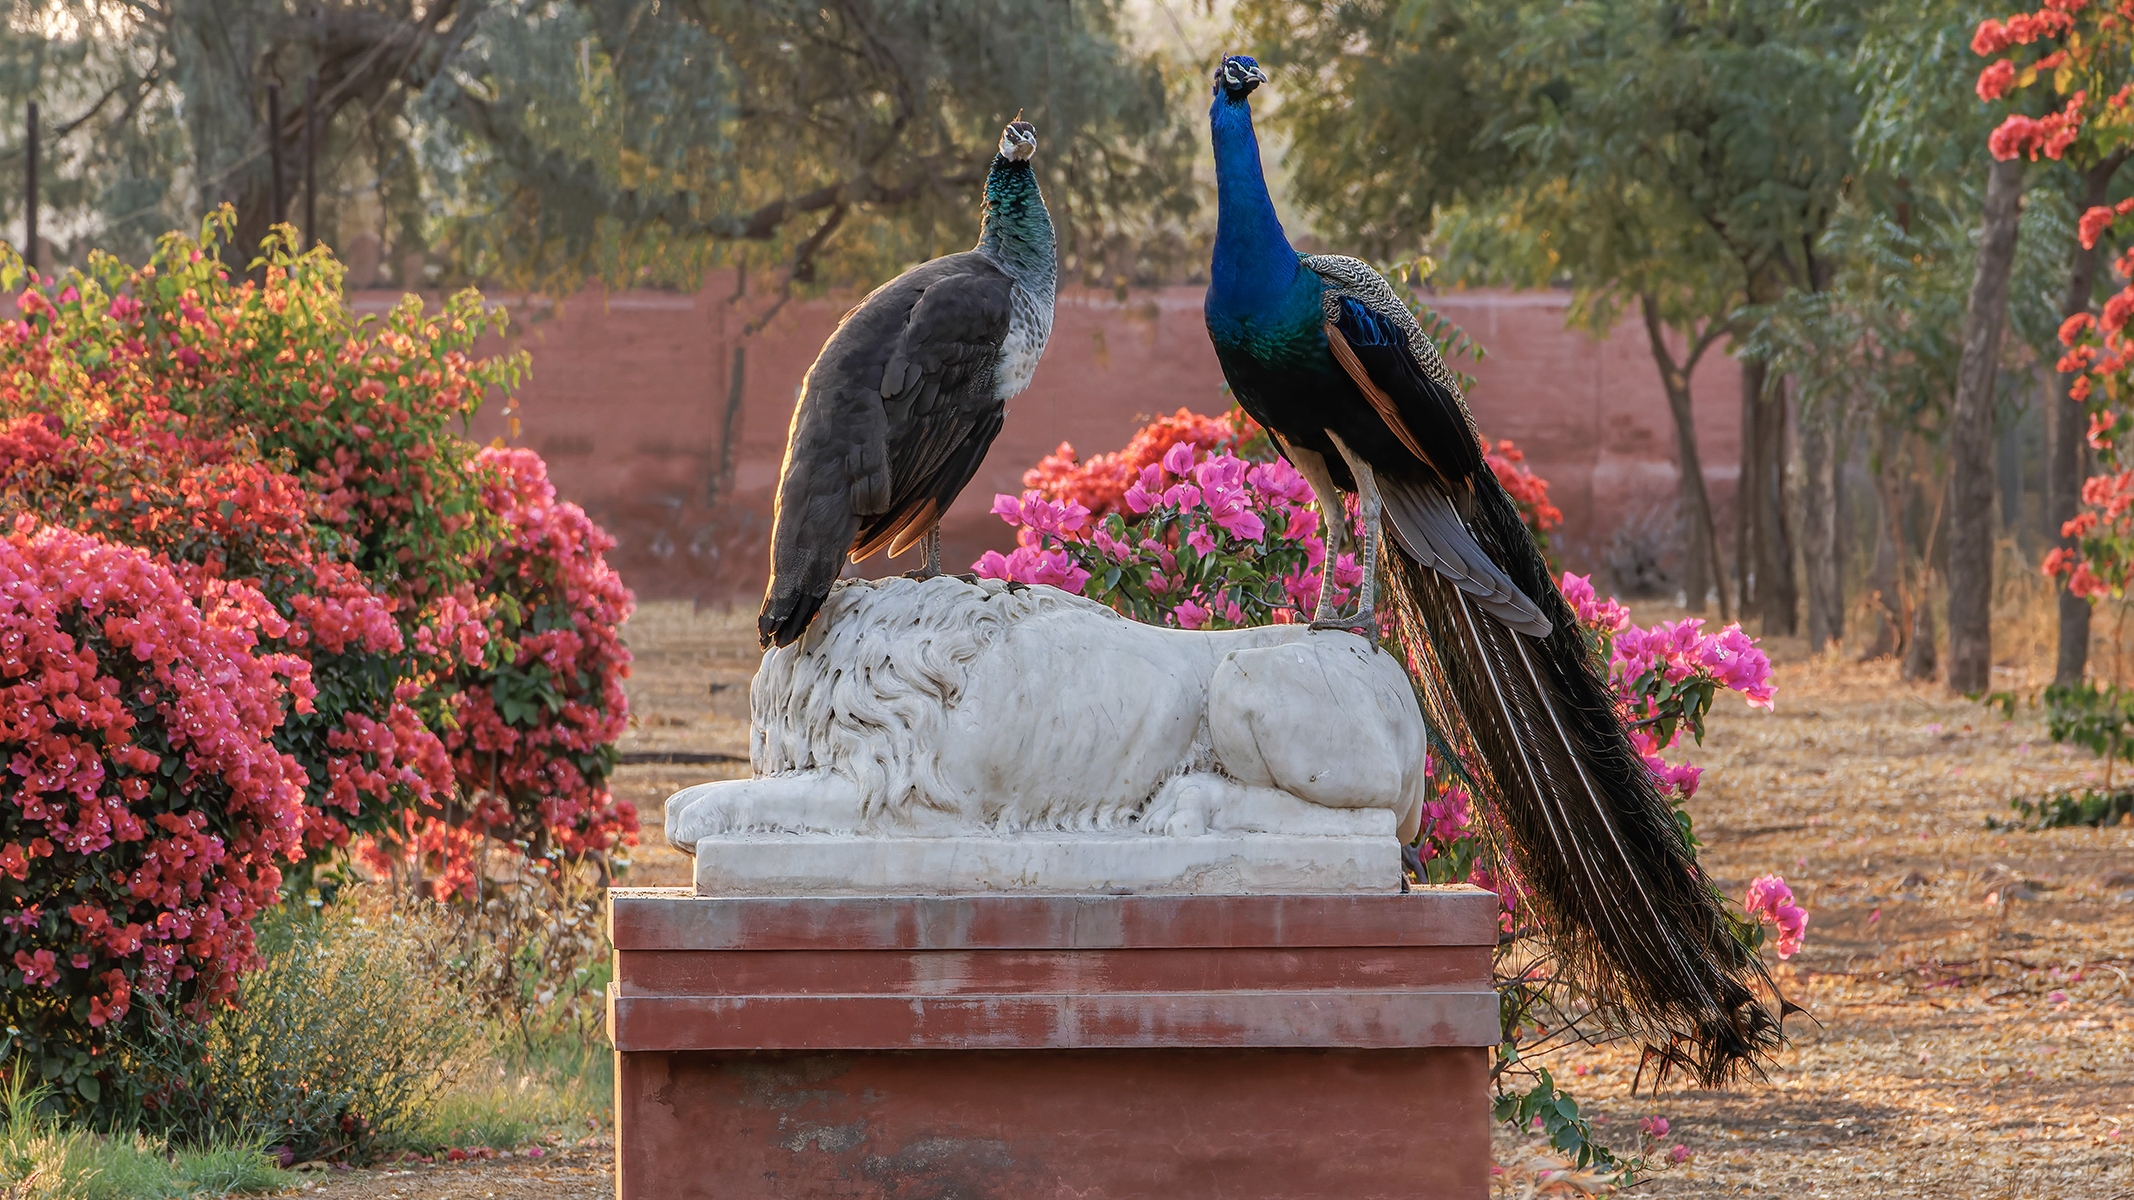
x=1100, y=484
x=536, y=719
x=533, y=955
x=302, y=475
x=136, y=472
x=254, y=431
x=1210, y=544
x=335, y=1044
x=145, y=805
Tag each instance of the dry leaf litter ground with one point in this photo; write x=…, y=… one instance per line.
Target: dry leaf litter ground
x=1971, y=1017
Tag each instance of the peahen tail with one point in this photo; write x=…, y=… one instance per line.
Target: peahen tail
x=1585, y=827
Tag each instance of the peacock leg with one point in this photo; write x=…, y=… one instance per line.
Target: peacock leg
x=1333, y=529
x=932, y=566
x=1365, y=621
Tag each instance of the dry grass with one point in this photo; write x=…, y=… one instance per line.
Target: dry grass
x=1937, y=1061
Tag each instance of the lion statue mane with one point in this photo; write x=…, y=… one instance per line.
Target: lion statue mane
x=945, y=707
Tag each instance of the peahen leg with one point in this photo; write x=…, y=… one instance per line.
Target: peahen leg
x=1365, y=621
x=932, y=566
x=1333, y=527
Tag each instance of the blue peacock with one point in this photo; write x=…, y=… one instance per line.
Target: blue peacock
x=1322, y=352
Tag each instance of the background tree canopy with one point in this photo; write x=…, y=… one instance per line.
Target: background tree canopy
x=539, y=143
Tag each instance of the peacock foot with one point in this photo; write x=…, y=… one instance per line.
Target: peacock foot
x=921, y=574
x=1363, y=625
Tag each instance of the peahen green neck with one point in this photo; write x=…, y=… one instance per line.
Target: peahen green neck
x=1254, y=266
x=1014, y=228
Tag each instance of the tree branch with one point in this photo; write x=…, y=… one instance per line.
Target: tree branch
x=142, y=86
x=556, y=173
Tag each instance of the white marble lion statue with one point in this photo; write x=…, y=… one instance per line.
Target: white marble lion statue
x=948, y=708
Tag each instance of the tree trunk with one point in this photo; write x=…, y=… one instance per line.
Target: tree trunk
x=2066, y=446
x=1885, y=587
x=1777, y=602
x=1971, y=474
x=722, y=474
x=1701, y=566
x=1823, y=540
x=216, y=47
x=2009, y=448
x=1919, y=653
x=1746, y=487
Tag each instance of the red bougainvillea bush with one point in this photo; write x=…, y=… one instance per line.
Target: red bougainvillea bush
x=131, y=470
x=255, y=432
x=2082, y=52
x=145, y=805
x=251, y=439
x=535, y=722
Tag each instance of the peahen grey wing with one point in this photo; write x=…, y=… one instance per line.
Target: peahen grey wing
x=939, y=400
x=861, y=465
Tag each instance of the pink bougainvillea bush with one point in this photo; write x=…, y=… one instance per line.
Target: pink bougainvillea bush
x=145, y=806
x=532, y=740
x=1200, y=540
x=1100, y=484
x=1228, y=470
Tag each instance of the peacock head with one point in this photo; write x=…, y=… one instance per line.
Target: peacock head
x=1238, y=76
x=1018, y=142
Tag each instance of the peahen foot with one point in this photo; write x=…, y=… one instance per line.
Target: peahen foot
x=929, y=566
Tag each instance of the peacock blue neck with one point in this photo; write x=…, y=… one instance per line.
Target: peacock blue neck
x=1014, y=226
x=1254, y=264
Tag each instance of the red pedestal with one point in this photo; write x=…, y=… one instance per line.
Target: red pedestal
x=1028, y=1047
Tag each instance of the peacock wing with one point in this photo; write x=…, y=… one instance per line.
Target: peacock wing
x=1379, y=343
x=1394, y=363
x=939, y=403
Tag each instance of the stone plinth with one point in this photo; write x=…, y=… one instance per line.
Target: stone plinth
x=1025, y=1047
x=1051, y=863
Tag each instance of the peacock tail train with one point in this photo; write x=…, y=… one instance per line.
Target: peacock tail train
x=1582, y=823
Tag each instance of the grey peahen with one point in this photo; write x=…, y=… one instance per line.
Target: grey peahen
x=1320, y=350
x=908, y=393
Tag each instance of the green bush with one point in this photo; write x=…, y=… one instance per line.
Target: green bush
x=336, y=1045
x=42, y=1158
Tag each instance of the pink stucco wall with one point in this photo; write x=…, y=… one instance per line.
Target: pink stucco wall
x=628, y=396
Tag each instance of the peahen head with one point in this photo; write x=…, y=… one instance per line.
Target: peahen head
x=1238, y=75
x=1018, y=142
